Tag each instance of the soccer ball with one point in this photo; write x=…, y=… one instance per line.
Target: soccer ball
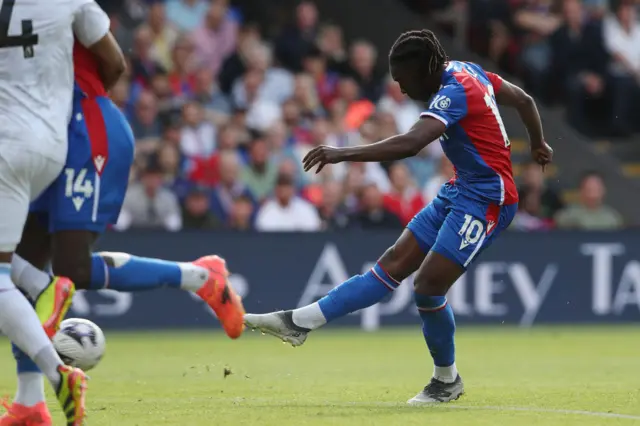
x=80, y=343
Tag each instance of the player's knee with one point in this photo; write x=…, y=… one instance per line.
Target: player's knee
x=114, y=259
x=77, y=269
x=430, y=283
x=393, y=264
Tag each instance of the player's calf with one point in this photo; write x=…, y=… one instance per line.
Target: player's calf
x=431, y=283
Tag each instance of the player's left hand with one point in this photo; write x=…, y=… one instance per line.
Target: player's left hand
x=321, y=156
x=542, y=155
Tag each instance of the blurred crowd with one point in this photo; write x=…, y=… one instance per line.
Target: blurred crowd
x=222, y=118
x=582, y=54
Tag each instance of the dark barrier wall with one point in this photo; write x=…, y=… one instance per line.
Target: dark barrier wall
x=523, y=279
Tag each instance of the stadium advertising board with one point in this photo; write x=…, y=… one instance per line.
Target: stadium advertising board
x=523, y=279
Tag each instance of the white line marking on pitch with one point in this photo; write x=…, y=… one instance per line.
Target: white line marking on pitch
x=526, y=409
x=462, y=407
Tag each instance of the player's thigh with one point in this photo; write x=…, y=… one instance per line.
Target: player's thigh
x=426, y=224
x=403, y=258
x=35, y=244
x=23, y=175
x=470, y=228
x=89, y=194
x=117, y=164
x=71, y=255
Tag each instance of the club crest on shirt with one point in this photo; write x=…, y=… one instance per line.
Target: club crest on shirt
x=440, y=102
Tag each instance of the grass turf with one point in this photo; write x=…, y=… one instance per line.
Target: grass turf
x=512, y=377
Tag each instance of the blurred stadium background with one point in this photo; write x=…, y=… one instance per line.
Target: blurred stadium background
x=226, y=97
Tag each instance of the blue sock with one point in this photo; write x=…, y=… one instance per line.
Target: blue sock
x=438, y=327
x=23, y=362
x=358, y=292
x=131, y=273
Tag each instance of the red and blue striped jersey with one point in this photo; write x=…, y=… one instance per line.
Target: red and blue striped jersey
x=475, y=139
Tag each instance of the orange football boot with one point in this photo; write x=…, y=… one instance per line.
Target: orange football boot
x=220, y=296
x=21, y=415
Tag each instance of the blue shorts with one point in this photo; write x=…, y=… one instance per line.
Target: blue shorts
x=459, y=227
x=88, y=194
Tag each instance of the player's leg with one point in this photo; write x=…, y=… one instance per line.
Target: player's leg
x=359, y=291
x=26, y=173
x=35, y=245
x=470, y=227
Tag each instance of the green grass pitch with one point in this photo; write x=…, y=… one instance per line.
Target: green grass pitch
x=544, y=376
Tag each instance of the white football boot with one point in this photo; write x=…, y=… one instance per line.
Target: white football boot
x=279, y=324
x=437, y=391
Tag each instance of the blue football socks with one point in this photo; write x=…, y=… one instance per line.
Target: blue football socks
x=132, y=273
x=438, y=327
x=358, y=292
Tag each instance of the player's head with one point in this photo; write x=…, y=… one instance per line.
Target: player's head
x=416, y=61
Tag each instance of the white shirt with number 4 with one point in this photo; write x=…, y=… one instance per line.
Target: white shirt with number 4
x=36, y=69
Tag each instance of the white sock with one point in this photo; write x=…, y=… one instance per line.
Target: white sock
x=193, y=276
x=19, y=322
x=28, y=277
x=309, y=316
x=30, y=389
x=446, y=374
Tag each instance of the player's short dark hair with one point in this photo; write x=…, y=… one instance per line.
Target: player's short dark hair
x=420, y=46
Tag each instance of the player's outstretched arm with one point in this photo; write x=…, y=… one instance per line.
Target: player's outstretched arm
x=397, y=147
x=513, y=96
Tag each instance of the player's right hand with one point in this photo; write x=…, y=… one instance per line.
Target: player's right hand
x=542, y=155
x=321, y=156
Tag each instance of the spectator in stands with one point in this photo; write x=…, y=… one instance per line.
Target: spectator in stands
x=148, y=204
x=622, y=40
x=259, y=174
x=529, y=218
x=535, y=20
x=163, y=35
x=143, y=66
x=306, y=95
x=331, y=45
x=286, y=211
x=182, y=77
x=591, y=213
x=362, y=67
x=215, y=39
x=145, y=123
x=333, y=212
x=404, y=200
x=196, y=213
x=326, y=82
x=280, y=150
x=275, y=84
x=444, y=175
x=236, y=64
x=356, y=109
x=241, y=215
x=230, y=186
x=404, y=110
x=171, y=163
x=534, y=184
x=186, y=15
x=372, y=214
x=296, y=40
x=579, y=62
x=198, y=136
x=207, y=93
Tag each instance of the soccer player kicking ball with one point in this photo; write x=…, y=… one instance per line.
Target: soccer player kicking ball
x=466, y=217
